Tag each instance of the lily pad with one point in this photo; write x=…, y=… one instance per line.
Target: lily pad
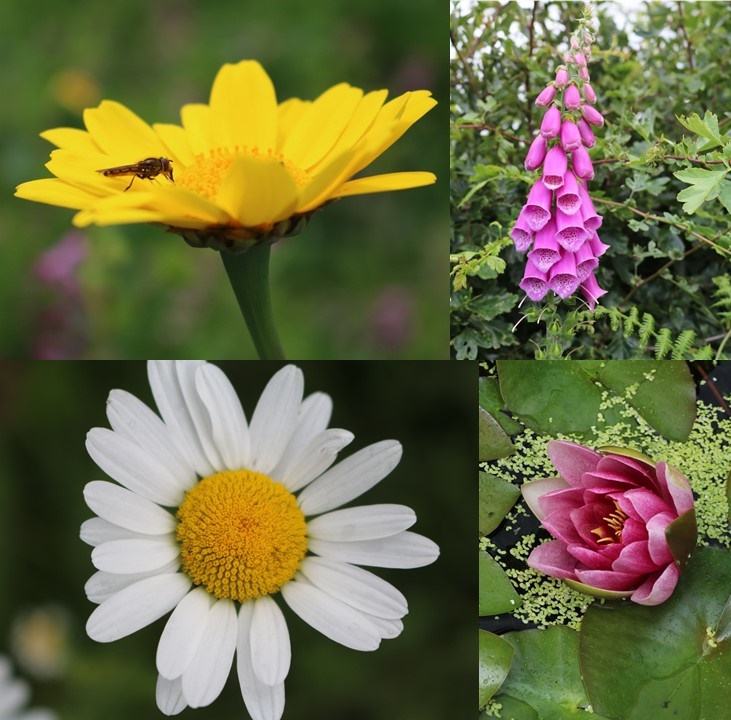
x=561, y=397
x=497, y=594
x=496, y=498
x=494, y=657
x=673, y=656
x=545, y=674
x=492, y=401
x=494, y=443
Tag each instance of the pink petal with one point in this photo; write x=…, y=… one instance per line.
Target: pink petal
x=591, y=558
x=551, y=558
x=635, y=559
x=677, y=485
x=658, y=588
x=533, y=492
x=641, y=503
x=634, y=531
x=572, y=460
x=608, y=579
x=657, y=543
x=561, y=499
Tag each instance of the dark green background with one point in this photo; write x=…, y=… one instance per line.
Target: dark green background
x=363, y=266
x=427, y=673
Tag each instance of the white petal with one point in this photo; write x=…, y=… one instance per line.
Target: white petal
x=96, y=531
x=228, y=422
x=173, y=387
x=133, y=467
x=316, y=456
x=134, y=556
x=102, y=585
x=330, y=616
x=357, y=587
x=365, y=522
x=130, y=417
x=264, y=702
x=126, y=509
x=405, y=550
x=182, y=634
x=270, y=648
x=136, y=606
x=275, y=417
x=169, y=696
x=207, y=672
x=389, y=629
x=313, y=417
x=15, y=694
x=350, y=477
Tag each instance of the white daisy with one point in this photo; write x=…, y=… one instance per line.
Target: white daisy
x=14, y=695
x=251, y=515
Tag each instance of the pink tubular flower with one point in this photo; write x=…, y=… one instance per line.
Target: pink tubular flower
x=571, y=98
x=592, y=221
x=522, y=234
x=587, y=134
x=554, y=168
x=623, y=525
x=551, y=123
x=536, y=153
x=591, y=291
x=567, y=196
x=592, y=115
x=546, y=250
x=537, y=209
x=546, y=96
x=586, y=261
x=570, y=136
x=570, y=231
x=582, y=163
x=562, y=277
x=534, y=283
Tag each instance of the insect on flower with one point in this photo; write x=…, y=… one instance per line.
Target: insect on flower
x=148, y=168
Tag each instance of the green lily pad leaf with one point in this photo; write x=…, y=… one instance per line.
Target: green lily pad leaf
x=514, y=710
x=545, y=674
x=685, y=638
x=559, y=397
x=492, y=401
x=494, y=443
x=496, y=498
x=495, y=656
x=497, y=594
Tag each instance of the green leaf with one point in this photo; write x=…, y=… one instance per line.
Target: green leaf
x=492, y=401
x=706, y=128
x=494, y=443
x=566, y=397
x=494, y=662
x=496, y=498
x=545, y=674
x=724, y=194
x=497, y=594
x=649, y=645
x=704, y=185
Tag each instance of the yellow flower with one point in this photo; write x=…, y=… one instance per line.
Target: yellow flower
x=244, y=166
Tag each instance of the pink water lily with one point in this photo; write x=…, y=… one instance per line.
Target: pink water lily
x=623, y=525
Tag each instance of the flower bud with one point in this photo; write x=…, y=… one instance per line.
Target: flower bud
x=546, y=96
x=536, y=153
x=571, y=98
x=587, y=134
x=589, y=93
x=584, y=73
x=570, y=136
x=579, y=58
x=551, y=123
x=562, y=77
x=591, y=115
x=582, y=164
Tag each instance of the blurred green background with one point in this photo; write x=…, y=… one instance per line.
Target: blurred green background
x=427, y=673
x=367, y=279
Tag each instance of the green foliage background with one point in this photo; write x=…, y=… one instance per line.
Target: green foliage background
x=367, y=278
x=428, y=673
x=667, y=270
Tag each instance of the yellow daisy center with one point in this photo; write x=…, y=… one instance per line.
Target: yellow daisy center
x=205, y=175
x=241, y=535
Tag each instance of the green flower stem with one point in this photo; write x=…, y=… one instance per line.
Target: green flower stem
x=249, y=277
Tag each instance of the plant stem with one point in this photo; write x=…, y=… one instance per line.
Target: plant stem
x=248, y=274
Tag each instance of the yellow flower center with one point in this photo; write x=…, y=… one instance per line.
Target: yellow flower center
x=611, y=532
x=241, y=535
x=205, y=175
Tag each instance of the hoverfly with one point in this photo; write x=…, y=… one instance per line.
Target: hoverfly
x=148, y=168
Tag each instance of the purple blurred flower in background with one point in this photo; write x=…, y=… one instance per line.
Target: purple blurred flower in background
x=558, y=225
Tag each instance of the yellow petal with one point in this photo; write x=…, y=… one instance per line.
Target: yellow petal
x=328, y=179
x=54, y=192
x=117, y=130
x=256, y=191
x=196, y=119
x=244, y=107
x=288, y=115
x=183, y=208
x=122, y=216
x=71, y=138
x=320, y=127
x=176, y=142
x=385, y=183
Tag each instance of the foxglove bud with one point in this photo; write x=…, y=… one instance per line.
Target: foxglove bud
x=589, y=93
x=570, y=137
x=582, y=164
x=562, y=77
x=571, y=98
x=587, y=134
x=579, y=58
x=546, y=96
x=536, y=153
x=551, y=123
x=584, y=72
x=592, y=116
